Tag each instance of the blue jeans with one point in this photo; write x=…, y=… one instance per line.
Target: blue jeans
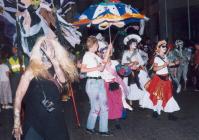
x=173, y=74
x=98, y=101
x=182, y=72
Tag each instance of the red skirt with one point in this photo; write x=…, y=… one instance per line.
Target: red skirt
x=114, y=100
x=160, y=88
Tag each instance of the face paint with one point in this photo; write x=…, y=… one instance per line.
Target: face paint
x=133, y=45
x=163, y=48
x=179, y=45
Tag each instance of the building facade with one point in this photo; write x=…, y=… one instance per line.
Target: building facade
x=172, y=19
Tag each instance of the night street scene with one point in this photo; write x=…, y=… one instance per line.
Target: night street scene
x=99, y=69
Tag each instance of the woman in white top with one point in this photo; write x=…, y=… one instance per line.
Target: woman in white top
x=160, y=97
x=93, y=65
x=133, y=59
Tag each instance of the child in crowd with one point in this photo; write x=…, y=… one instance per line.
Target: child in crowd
x=116, y=89
x=160, y=95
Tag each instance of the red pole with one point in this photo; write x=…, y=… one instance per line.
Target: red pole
x=74, y=105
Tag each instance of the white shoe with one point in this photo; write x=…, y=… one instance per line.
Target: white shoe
x=178, y=89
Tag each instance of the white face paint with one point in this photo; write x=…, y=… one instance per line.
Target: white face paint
x=133, y=45
x=163, y=49
x=180, y=46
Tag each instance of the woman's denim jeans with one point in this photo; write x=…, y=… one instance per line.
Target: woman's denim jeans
x=98, y=101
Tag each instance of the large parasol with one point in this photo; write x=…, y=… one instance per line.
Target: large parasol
x=111, y=13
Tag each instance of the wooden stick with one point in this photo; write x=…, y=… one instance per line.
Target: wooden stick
x=74, y=104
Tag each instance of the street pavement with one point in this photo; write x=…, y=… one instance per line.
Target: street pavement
x=138, y=125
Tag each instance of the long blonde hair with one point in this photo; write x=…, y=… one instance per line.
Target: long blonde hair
x=37, y=67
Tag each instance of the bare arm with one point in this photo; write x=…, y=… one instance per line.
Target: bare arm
x=107, y=57
x=21, y=91
x=85, y=69
x=108, y=53
x=156, y=67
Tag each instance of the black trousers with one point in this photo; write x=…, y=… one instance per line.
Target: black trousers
x=14, y=82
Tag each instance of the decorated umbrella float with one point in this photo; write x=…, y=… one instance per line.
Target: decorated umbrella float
x=111, y=13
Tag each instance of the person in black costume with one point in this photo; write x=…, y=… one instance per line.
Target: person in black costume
x=40, y=86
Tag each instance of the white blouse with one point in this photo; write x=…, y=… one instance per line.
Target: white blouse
x=91, y=60
x=160, y=62
x=107, y=75
x=128, y=57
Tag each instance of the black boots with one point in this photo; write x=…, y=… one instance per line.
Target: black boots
x=155, y=115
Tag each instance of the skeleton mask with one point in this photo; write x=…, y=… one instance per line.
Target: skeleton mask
x=179, y=44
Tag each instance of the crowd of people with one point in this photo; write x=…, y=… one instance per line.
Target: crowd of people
x=112, y=85
x=149, y=74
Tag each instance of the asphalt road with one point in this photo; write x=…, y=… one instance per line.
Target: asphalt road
x=139, y=124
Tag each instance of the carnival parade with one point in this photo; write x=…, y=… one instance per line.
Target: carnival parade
x=101, y=69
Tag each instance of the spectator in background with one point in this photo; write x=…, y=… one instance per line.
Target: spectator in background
x=17, y=66
x=196, y=66
x=171, y=55
x=5, y=90
x=184, y=55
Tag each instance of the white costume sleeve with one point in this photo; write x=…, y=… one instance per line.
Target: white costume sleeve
x=124, y=58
